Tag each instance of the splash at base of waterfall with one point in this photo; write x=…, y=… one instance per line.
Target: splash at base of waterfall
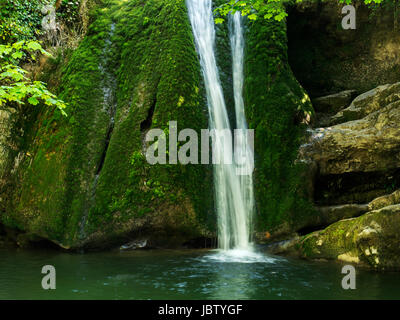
x=238, y=256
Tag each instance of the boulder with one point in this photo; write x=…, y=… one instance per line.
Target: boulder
x=84, y=181
x=384, y=201
x=326, y=215
x=372, y=240
x=369, y=144
x=369, y=102
x=331, y=214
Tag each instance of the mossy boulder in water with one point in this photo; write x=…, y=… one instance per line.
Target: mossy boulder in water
x=371, y=240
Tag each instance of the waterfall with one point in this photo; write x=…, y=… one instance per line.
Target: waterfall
x=233, y=193
x=242, y=145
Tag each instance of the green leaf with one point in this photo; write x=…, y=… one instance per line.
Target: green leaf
x=252, y=16
x=33, y=101
x=17, y=55
x=33, y=45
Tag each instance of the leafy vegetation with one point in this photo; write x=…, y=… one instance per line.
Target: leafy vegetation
x=15, y=86
x=268, y=9
x=20, y=20
x=20, y=29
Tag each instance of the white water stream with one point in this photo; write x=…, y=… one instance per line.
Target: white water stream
x=233, y=192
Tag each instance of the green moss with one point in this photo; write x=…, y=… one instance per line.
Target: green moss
x=147, y=62
x=273, y=100
x=64, y=153
x=158, y=70
x=150, y=68
x=370, y=240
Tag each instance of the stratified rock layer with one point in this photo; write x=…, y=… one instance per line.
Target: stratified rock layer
x=370, y=142
x=359, y=156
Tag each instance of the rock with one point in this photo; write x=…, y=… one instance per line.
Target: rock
x=326, y=215
x=308, y=177
x=331, y=214
x=371, y=240
x=366, y=145
x=334, y=102
x=282, y=247
x=385, y=201
x=7, y=121
x=134, y=245
x=371, y=101
x=326, y=59
x=86, y=183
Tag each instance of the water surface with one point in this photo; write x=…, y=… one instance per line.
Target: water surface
x=184, y=274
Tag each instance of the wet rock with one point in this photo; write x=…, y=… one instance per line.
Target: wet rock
x=135, y=245
x=282, y=247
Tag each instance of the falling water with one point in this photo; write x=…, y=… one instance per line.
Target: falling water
x=242, y=145
x=233, y=192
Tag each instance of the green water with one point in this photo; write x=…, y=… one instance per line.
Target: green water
x=170, y=274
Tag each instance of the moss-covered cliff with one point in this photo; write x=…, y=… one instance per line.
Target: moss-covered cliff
x=84, y=180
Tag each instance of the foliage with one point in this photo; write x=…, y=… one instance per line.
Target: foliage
x=268, y=9
x=19, y=20
x=15, y=86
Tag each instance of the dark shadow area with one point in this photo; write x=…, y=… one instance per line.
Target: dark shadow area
x=146, y=124
x=327, y=59
x=355, y=187
x=201, y=243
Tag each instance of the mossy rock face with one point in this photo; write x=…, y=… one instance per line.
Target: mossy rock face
x=276, y=104
x=86, y=182
x=371, y=240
